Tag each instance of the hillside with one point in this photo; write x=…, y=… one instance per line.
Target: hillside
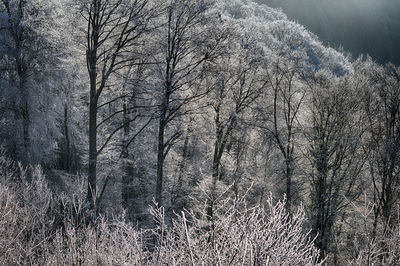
x=359, y=26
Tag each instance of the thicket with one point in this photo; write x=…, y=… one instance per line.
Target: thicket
x=39, y=227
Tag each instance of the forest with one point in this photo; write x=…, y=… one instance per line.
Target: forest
x=191, y=132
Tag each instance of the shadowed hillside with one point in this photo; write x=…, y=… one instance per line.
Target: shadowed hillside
x=360, y=26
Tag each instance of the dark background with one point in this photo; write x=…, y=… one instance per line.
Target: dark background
x=359, y=26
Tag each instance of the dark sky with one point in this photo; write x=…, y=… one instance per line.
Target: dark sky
x=359, y=26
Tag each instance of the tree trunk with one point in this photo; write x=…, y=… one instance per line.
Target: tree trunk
x=288, y=184
x=127, y=175
x=68, y=157
x=25, y=125
x=161, y=151
x=91, y=194
x=178, y=191
x=24, y=107
x=182, y=164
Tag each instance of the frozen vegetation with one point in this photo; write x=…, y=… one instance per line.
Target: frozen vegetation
x=191, y=132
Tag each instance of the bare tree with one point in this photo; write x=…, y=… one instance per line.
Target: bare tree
x=382, y=110
x=114, y=30
x=282, y=118
x=334, y=152
x=192, y=39
x=235, y=85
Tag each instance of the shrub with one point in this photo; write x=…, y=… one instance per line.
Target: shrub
x=240, y=236
x=40, y=228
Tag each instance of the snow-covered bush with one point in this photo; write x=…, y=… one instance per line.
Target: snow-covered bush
x=38, y=227
x=379, y=245
x=26, y=214
x=262, y=235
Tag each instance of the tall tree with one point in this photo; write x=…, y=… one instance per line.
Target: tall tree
x=189, y=38
x=334, y=152
x=114, y=30
x=288, y=96
x=236, y=83
x=382, y=111
x=136, y=117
